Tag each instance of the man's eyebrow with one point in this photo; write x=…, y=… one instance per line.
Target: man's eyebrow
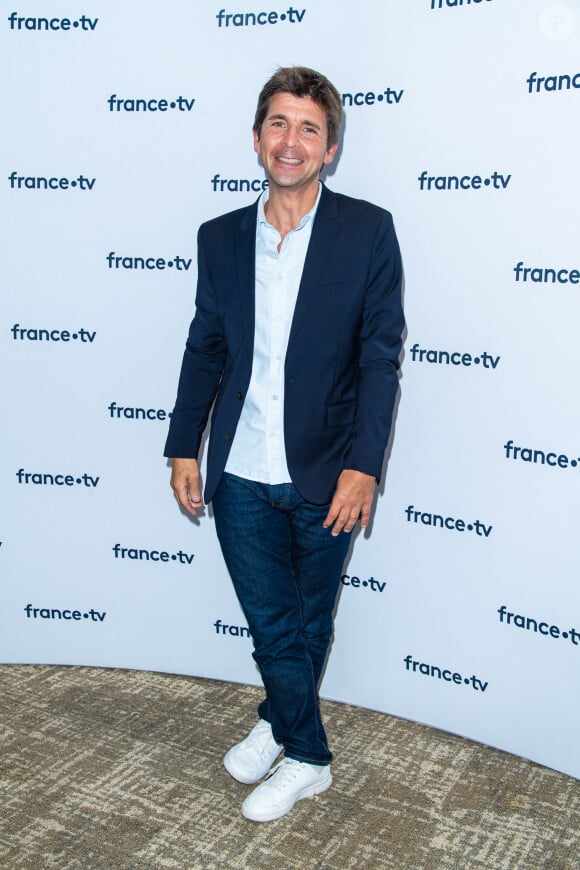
x=281, y=117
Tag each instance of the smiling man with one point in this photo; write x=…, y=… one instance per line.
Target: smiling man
x=295, y=344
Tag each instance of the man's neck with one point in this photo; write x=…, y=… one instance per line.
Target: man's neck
x=285, y=209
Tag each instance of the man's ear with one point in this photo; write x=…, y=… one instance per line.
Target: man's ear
x=329, y=156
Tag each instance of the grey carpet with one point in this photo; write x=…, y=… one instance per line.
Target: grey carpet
x=106, y=769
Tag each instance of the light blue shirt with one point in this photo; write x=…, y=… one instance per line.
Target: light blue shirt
x=258, y=451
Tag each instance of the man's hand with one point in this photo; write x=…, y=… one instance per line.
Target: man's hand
x=353, y=498
x=186, y=484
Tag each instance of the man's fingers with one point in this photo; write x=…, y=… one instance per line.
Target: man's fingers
x=365, y=514
x=183, y=497
x=352, y=501
x=346, y=521
x=352, y=520
x=341, y=517
x=185, y=483
x=188, y=502
x=332, y=514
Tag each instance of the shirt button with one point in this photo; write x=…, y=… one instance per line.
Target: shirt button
x=275, y=396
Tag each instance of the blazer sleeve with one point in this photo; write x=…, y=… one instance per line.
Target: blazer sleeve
x=201, y=369
x=380, y=346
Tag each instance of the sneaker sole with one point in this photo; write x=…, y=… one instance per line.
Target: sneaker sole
x=309, y=791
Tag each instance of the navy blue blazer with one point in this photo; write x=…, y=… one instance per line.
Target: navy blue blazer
x=342, y=359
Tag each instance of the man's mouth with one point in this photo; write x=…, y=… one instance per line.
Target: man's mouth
x=289, y=161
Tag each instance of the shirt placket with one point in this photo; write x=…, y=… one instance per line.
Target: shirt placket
x=275, y=412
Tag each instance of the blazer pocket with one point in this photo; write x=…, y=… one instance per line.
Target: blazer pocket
x=340, y=414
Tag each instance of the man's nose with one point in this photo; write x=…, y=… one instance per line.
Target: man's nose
x=291, y=136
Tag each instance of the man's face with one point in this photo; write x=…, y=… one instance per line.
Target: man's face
x=292, y=143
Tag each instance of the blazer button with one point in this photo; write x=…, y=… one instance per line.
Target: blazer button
x=228, y=436
x=240, y=395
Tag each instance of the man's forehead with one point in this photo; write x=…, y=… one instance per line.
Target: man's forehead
x=283, y=102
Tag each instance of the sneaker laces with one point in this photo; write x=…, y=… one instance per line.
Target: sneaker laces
x=284, y=771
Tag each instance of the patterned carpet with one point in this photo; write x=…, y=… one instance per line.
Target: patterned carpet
x=119, y=770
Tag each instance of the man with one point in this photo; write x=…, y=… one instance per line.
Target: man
x=295, y=343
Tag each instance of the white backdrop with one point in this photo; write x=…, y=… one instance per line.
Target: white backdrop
x=461, y=609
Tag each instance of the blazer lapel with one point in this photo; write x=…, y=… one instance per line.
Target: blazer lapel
x=320, y=250
x=245, y=248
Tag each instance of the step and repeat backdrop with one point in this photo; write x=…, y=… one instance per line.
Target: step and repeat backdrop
x=127, y=125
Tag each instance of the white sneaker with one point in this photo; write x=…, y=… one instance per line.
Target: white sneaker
x=289, y=781
x=251, y=759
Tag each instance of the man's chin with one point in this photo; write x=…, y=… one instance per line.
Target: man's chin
x=287, y=181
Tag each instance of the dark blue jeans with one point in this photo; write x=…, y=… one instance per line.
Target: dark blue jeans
x=285, y=569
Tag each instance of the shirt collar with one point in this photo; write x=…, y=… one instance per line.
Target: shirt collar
x=265, y=195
